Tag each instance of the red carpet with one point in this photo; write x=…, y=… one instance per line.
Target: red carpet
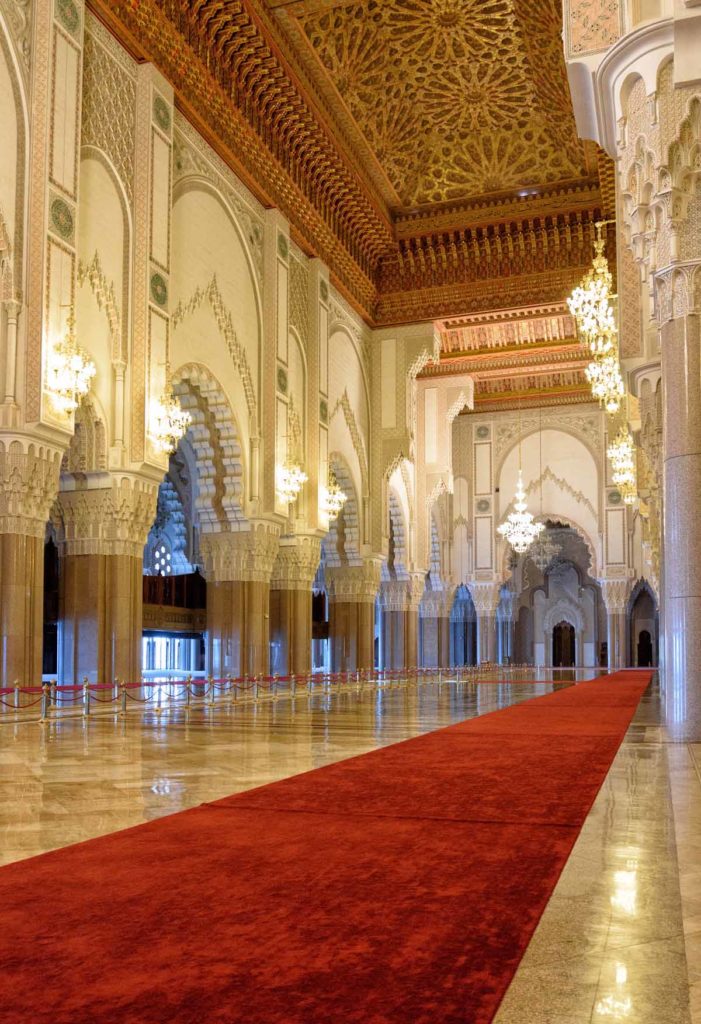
x=399, y=887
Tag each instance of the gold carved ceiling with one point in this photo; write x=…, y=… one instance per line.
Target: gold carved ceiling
x=425, y=150
x=446, y=100
x=517, y=358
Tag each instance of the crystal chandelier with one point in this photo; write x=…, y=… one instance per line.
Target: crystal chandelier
x=621, y=454
x=289, y=480
x=169, y=422
x=590, y=305
x=333, y=498
x=520, y=528
x=70, y=372
x=604, y=376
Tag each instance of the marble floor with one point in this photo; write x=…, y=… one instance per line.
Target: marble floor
x=620, y=939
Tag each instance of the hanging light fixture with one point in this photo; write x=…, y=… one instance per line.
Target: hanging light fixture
x=520, y=528
x=69, y=371
x=604, y=376
x=621, y=454
x=169, y=422
x=590, y=305
x=289, y=480
x=333, y=498
x=543, y=550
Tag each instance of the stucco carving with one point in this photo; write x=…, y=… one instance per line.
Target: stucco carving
x=225, y=323
x=296, y=563
x=248, y=554
x=29, y=474
x=355, y=583
x=108, y=520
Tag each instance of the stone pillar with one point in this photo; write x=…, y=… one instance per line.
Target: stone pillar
x=679, y=310
x=101, y=534
x=394, y=595
x=291, y=602
x=352, y=590
x=615, y=594
x=225, y=627
x=507, y=628
x=430, y=629
x=238, y=567
x=485, y=595
x=412, y=622
x=29, y=473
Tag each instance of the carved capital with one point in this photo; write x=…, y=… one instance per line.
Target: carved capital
x=105, y=515
x=357, y=584
x=29, y=474
x=296, y=563
x=485, y=595
x=615, y=593
x=394, y=595
x=248, y=554
x=678, y=291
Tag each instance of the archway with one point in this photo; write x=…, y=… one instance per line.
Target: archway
x=644, y=652
x=563, y=645
x=643, y=625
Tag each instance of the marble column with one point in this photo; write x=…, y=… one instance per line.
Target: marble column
x=679, y=304
x=412, y=622
x=291, y=602
x=394, y=595
x=485, y=595
x=238, y=568
x=352, y=590
x=101, y=533
x=225, y=627
x=29, y=474
x=615, y=593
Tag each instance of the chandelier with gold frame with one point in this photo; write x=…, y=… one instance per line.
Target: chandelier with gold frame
x=621, y=454
x=169, y=422
x=591, y=306
x=69, y=371
x=289, y=480
x=333, y=497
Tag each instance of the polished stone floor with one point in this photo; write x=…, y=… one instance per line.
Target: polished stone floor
x=620, y=939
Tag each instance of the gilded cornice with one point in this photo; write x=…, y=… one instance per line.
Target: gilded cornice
x=236, y=90
x=240, y=81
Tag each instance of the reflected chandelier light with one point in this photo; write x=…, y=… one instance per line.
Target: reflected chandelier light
x=520, y=528
x=590, y=305
x=333, y=498
x=70, y=372
x=169, y=421
x=621, y=454
x=289, y=480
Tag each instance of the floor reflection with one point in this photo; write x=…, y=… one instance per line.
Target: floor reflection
x=620, y=939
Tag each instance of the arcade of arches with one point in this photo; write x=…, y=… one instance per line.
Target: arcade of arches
x=414, y=341
x=255, y=253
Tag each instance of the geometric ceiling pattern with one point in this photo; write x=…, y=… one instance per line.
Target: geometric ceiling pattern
x=453, y=99
x=425, y=150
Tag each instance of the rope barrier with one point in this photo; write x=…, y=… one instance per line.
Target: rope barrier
x=69, y=698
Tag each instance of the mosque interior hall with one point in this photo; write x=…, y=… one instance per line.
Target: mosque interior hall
x=350, y=436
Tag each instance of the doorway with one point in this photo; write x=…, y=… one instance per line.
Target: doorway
x=644, y=649
x=563, y=645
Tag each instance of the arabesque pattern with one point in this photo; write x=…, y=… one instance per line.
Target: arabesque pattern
x=455, y=98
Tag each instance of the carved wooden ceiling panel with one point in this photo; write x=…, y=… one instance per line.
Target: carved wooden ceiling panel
x=425, y=150
x=452, y=99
